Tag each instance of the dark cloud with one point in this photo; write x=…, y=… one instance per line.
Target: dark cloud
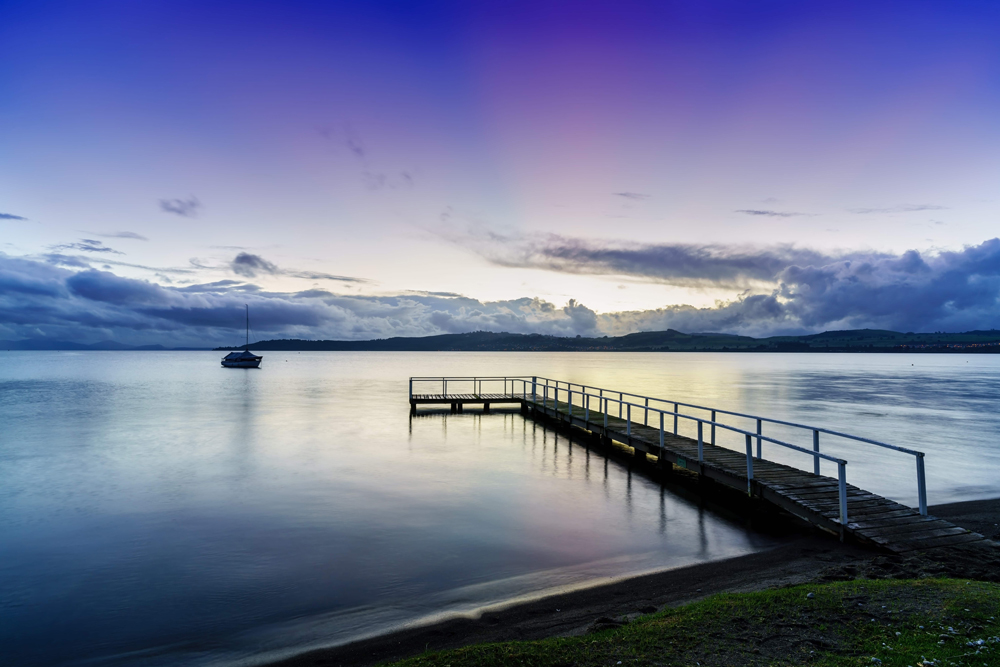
x=319, y=275
x=187, y=208
x=10, y=216
x=443, y=294
x=676, y=263
x=87, y=245
x=120, y=235
x=904, y=208
x=770, y=214
x=631, y=195
x=944, y=291
x=251, y=266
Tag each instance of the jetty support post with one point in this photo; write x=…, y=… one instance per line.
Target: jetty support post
x=534, y=389
x=749, y=466
x=816, y=449
x=758, y=439
x=921, y=485
x=675, y=418
x=701, y=445
x=713, y=427
x=661, y=433
x=842, y=484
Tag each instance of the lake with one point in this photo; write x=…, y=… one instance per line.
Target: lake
x=157, y=509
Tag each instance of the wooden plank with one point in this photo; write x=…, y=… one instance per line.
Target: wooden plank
x=910, y=531
x=807, y=495
x=905, y=545
x=877, y=522
x=915, y=531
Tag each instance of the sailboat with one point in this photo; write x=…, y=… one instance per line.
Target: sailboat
x=246, y=358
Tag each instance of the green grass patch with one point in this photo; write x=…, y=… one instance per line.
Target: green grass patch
x=886, y=623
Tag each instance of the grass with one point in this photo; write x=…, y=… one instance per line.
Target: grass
x=885, y=623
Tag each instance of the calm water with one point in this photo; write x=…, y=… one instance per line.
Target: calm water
x=157, y=509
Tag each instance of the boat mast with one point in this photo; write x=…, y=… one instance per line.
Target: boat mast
x=248, y=325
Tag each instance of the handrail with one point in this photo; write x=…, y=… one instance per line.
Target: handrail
x=748, y=416
x=545, y=383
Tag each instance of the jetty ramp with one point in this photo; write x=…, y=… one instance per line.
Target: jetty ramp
x=652, y=426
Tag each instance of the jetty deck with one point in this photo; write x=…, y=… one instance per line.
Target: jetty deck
x=650, y=426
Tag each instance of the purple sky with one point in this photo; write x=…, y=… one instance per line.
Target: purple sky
x=574, y=167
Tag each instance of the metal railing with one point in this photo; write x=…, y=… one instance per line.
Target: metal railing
x=546, y=386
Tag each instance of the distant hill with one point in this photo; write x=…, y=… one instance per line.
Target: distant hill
x=857, y=340
x=67, y=345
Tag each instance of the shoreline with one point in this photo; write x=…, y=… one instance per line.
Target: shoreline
x=808, y=558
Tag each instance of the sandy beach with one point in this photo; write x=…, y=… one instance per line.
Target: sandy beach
x=811, y=557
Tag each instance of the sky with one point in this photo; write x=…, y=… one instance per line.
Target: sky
x=357, y=170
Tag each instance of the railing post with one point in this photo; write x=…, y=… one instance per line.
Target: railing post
x=534, y=389
x=569, y=405
x=628, y=421
x=758, y=438
x=586, y=408
x=921, y=485
x=620, y=398
x=661, y=432
x=701, y=447
x=444, y=387
x=842, y=479
x=411, y=389
x=816, y=459
x=675, y=419
x=605, y=411
x=545, y=396
x=555, y=399
x=749, y=466
x=645, y=416
x=713, y=427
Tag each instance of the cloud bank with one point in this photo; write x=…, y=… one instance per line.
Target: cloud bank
x=950, y=291
x=708, y=265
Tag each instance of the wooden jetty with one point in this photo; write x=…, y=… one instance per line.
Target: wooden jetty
x=650, y=426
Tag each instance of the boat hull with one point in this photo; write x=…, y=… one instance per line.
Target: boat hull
x=242, y=364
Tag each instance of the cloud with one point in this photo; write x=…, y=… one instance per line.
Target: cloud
x=87, y=245
x=353, y=143
x=913, y=291
x=631, y=195
x=120, y=235
x=904, y=208
x=10, y=216
x=682, y=264
x=770, y=214
x=249, y=265
x=187, y=208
